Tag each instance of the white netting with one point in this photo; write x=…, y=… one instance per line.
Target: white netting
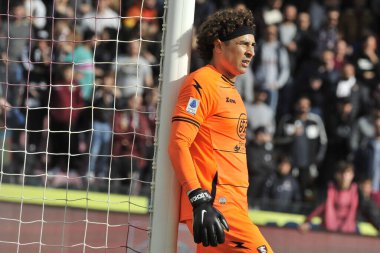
x=78, y=100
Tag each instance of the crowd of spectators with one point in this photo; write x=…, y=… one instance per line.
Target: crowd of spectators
x=81, y=77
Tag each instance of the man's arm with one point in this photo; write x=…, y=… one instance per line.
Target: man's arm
x=181, y=136
x=208, y=223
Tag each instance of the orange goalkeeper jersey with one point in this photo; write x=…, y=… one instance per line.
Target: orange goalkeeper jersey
x=207, y=140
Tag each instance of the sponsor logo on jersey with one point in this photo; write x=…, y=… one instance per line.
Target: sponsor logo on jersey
x=242, y=126
x=239, y=245
x=240, y=147
x=262, y=249
x=230, y=100
x=192, y=105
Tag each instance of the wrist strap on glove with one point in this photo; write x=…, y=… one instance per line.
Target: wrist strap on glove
x=199, y=196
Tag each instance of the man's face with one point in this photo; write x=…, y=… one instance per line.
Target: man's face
x=236, y=54
x=333, y=18
x=303, y=105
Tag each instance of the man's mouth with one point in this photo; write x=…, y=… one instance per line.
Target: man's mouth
x=245, y=63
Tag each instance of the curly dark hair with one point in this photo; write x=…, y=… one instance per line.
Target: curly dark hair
x=219, y=24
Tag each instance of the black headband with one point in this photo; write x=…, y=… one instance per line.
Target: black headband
x=242, y=30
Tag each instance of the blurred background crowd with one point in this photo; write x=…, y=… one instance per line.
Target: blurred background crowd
x=81, y=77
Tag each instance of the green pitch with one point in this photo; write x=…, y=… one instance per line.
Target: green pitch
x=73, y=198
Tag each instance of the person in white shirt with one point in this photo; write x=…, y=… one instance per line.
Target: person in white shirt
x=101, y=17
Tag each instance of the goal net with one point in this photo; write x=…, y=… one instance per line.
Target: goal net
x=80, y=83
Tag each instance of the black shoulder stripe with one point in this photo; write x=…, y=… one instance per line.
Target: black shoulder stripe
x=179, y=118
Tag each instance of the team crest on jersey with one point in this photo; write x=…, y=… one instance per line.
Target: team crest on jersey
x=242, y=126
x=192, y=105
x=222, y=200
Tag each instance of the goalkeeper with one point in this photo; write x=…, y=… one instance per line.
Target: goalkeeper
x=207, y=140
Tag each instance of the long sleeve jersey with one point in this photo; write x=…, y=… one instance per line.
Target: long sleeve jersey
x=207, y=140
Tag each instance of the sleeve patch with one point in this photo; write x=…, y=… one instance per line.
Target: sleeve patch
x=192, y=105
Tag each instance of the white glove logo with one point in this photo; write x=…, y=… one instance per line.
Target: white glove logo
x=203, y=214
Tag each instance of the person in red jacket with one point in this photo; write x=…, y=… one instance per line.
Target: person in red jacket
x=338, y=212
x=132, y=136
x=66, y=104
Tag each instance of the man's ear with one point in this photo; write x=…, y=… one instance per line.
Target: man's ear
x=218, y=45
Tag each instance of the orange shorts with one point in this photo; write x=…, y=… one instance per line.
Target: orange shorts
x=243, y=235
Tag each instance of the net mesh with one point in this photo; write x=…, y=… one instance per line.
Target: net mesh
x=78, y=99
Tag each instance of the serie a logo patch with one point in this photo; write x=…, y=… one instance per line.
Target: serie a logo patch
x=192, y=105
x=262, y=249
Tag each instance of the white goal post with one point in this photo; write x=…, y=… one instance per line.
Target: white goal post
x=176, y=58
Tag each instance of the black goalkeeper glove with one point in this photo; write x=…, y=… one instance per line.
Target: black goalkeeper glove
x=208, y=223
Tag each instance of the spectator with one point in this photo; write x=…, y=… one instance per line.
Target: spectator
x=349, y=87
x=5, y=107
x=305, y=42
x=10, y=120
x=36, y=59
x=65, y=104
x=302, y=136
x=148, y=30
x=259, y=114
x=151, y=97
x=203, y=9
x=36, y=9
x=83, y=7
x=131, y=130
x=145, y=9
x=36, y=62
x=316, y=91
x=317, y=11
x=149, y=108
x=338, y=212
x=271, y=65
x=64, y=37
x=63, y=9
x=288, y=27
x=82, y=58
x=288, y=31
x=133, y=70
x=17, y=35
x=368, y=158
x=269, y=14
x=328, y=70
x=369, y=211
x=105, y=51
x=366, y=61
x=322, y=67
x=374, y=99
x=261, y=162
x=101, y=17
x=245, y=83
x=105, y=98
x=343, y=54
x=339, y=127
x=356, y=21
x=364, y=128
x=281, y=191
x=328, y=33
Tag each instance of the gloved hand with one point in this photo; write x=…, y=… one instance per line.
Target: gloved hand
x=208, y=223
